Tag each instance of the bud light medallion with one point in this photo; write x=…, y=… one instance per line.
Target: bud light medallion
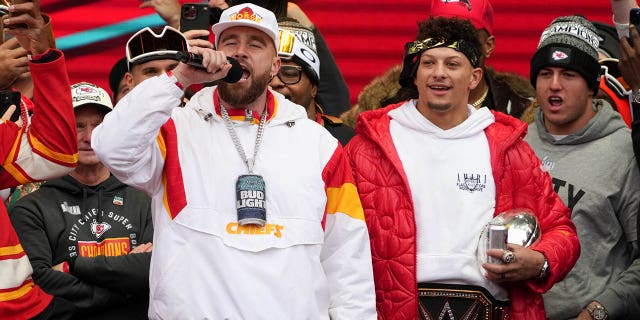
x=250, y=200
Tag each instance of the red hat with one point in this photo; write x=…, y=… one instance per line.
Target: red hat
x=479, y=12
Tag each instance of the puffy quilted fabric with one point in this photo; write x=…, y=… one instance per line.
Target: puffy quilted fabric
x=388, y=207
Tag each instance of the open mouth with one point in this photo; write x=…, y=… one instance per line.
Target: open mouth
x=439, y=88
x=245, y=74
x=555, y=101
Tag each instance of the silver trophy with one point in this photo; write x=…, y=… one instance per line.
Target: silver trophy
x=522, y=229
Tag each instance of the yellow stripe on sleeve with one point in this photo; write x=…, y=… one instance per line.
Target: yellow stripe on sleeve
x=163, y=150
x=7, y=251
x=62, y=157
x=15, y=294
x=346, y=200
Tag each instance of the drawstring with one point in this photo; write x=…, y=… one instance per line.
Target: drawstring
x=83, y=204
x=100, y=195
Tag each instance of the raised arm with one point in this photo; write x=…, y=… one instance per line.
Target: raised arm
x=47, y=146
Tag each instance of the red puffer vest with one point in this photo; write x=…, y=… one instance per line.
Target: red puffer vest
x=388, y=207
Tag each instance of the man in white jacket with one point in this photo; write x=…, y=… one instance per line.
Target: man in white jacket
x=255, y=212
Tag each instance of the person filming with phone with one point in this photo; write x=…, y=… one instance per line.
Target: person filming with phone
x=245, y=188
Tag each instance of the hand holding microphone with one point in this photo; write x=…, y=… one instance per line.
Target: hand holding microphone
x=195, y=60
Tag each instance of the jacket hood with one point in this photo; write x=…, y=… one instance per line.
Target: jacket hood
x=408, y=116
x=605, y=122
x=375, y=125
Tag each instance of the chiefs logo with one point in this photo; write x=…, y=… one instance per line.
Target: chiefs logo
x=99, y=228
x=559, y=55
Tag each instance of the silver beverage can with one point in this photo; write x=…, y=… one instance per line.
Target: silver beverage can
x=250, y=200
x=497, y=239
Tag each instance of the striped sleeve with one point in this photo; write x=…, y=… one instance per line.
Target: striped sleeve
x=48, y=146
x=342, y=195
x=45, y=148
x=19, y=297
x=346, y=255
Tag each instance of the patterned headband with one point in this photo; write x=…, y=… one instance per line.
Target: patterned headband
x=418, y=46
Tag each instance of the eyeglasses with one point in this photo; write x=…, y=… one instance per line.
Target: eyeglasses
x=146, y=45
x=290, y=74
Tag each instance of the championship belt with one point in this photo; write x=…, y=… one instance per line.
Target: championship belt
x=459, y=302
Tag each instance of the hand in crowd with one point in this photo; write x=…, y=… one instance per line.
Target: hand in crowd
x=33, y=38
x=222, y=4
x=192, y=38
x=215, y=63
x=58, y=267
x=169, y=10
x=145, y=247
x=630, y=60
x=7, y=115
x=14, y=62
x=294, y=11
x=526, y=265
x=584, y=315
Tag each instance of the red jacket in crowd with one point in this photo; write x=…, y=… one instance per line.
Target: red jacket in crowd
x=386, y=198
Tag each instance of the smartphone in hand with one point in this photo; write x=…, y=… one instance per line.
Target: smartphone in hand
x=8, y=98
x=634, y=20
x=194, y=16
x=21, y=25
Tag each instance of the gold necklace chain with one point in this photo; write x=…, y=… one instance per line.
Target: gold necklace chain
x=478, y=102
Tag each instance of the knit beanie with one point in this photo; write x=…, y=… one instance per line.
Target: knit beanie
x=569, y=42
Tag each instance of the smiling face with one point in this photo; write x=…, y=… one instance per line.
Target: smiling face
x=565, y=100
x=444, y=78
x=302, y=92
x=255, y=52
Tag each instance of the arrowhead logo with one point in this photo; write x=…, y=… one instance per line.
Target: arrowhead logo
x=99, y=228
x=559, y=55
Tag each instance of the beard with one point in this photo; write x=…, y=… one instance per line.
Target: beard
x=237, y=97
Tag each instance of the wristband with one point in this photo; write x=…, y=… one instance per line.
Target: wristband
x=65, y=267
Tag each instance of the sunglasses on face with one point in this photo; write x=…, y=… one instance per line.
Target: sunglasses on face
x=146, y=45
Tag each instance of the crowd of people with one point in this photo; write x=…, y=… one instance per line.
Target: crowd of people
x=239, y=183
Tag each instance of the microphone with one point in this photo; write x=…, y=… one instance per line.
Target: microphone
x=195, y=60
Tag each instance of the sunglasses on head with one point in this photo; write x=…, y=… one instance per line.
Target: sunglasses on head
x=287, y=44
x=146, y=45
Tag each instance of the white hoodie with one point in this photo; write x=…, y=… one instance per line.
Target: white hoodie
x=451, y=181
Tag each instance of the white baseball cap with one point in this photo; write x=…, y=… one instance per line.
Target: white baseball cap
x=84, y=93
x=247, y=15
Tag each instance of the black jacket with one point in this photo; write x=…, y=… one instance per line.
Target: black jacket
x=94, y=229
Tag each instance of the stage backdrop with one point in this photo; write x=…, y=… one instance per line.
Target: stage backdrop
x=366, y=37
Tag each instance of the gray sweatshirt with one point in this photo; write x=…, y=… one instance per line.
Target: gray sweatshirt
x=595, y=173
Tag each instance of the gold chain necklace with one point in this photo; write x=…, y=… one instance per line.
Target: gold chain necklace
x=478, y=102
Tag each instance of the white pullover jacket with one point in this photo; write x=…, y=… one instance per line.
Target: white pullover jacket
x=312, y=258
